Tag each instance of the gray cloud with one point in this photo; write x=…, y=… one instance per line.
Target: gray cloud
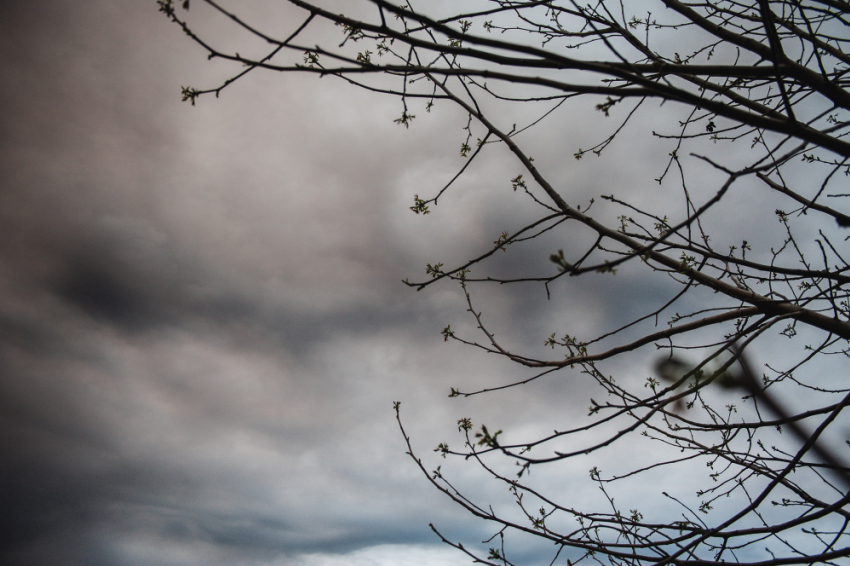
x=202, y=325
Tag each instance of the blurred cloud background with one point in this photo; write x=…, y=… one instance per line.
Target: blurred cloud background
x=202, y=320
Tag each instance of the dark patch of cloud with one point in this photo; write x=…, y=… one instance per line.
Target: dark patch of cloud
x=102, y=291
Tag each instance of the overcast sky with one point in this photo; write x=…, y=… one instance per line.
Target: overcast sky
x=202, y=325
x=202, y=320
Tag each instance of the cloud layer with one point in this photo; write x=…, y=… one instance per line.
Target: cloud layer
x=203, y=326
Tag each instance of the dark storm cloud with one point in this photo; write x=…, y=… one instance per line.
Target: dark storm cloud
x=106, y=292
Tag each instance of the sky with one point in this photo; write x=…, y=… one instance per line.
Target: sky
x=203, y=324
